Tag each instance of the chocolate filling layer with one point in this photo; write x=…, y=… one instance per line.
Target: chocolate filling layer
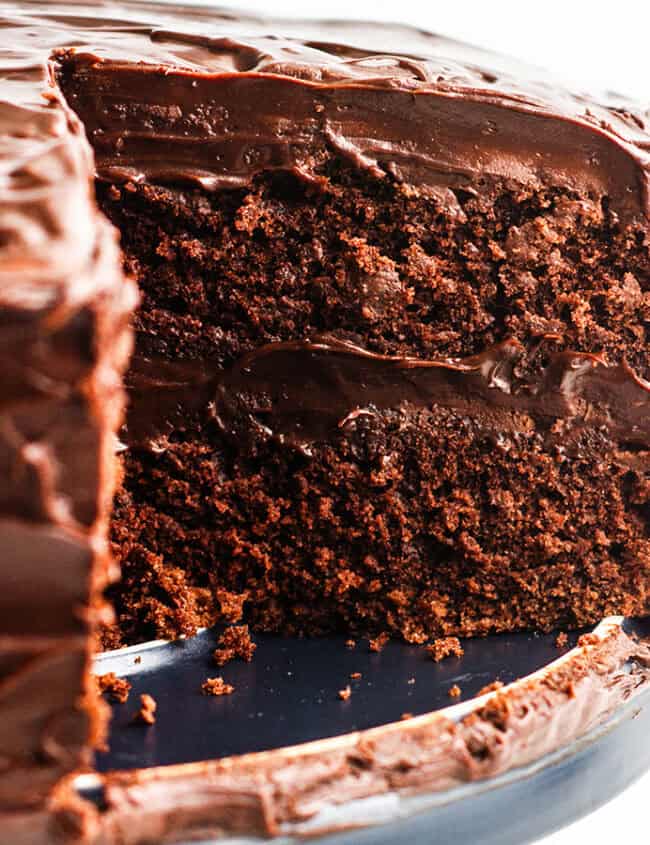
x=306, y=391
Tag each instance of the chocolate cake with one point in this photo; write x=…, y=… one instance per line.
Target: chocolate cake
x=391, y=344
x=390, y=355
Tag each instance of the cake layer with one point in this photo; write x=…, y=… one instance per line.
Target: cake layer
x=420, y=522
x=348, y=400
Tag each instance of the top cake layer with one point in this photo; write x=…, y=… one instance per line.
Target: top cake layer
x=237, y=98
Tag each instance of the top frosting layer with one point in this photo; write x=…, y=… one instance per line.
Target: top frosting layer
x=239, y=95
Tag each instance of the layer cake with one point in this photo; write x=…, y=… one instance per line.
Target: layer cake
x=390, y=349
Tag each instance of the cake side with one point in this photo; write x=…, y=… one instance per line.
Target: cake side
x=64, y=341
x=499, y=482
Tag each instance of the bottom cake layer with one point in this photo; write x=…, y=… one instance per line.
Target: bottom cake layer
x=444, y=498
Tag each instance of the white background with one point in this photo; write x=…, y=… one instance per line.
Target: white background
x=595, y=44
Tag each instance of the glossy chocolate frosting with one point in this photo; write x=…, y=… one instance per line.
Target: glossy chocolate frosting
x=304, y=392
x=310, y=789
x=64, y=341
x=236, y=98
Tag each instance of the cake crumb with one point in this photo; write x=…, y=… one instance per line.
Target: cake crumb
x=561, y=641
x=344, y=694
x=216, y=686
x=445, y=647
x=350, y=643
x=493, y=687
x=405, y=716
x=117, y=689
x=455, y=691
x=356, y=676
x=231, y=605
x=378, y=643
x=137, y=659
x=234, y=642
x=147, y=711
x=588, y=639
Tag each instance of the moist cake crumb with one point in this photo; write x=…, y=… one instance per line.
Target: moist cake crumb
x=117, y=689
x=231, y=604
x=562, y=640
x=455, y=691
x=587, y=639
x=344, y=694
x=147, y=711
x=493, y=687
x=355, y=676
x=216, y=686
x=350, y=643
x=406, y=716
x=235, y=642
x=445, y=647
x=378, y=642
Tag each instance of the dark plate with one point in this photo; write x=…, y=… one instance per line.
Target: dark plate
x=289, y=695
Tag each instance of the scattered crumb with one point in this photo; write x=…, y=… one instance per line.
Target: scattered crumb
x=350, y=644
x=234, y=642
x=493, y=687
x=562, y=640
x=344, y=694
x=217, y=686
x=411, y=681
x=378, y=643
x=117, y=689
x=147, y=711
x=231, y=604
x=445, y=647
x=356, y=676
x=406, y=716
x=455, y=691
x=137, y=659
x=588, y=639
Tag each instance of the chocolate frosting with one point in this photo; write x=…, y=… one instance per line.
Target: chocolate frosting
x=286, y=791
x=64, y=341
x=236, y=99
x=306, y=391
